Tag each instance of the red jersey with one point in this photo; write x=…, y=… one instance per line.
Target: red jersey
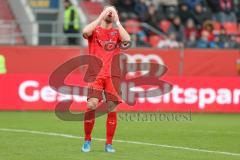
x=96, y=42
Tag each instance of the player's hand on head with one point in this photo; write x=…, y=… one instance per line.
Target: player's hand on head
x=115, y=13
x=104, y=12
x=108, y=9
x=116, y=17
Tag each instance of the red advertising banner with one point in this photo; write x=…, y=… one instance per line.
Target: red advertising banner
x=186, y=62
x=196, y=94
x=36, y=60
x=215, y=86
x=211, y=62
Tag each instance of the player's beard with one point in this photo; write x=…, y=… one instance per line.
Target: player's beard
x=108, y=20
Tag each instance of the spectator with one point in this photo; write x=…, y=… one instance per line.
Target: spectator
x=203, y=41
x=190, y=21
x=226, y=13
x=223, y=38
x=142, y=39
x=71, y=22
x=200, y=15
x=3, y=69
x=113, y=3
x=126, y=9
x=237, y=9
x=208, y=27
x=141, y=9
x=177, y=28
x=166, y=2
x=232, y=43
x=126, y=6
x=214, y=5
x=192, y=3
x=191, y=43
x=171, y=12
x=153, y=17
x=170, y=8
x=190, y=29
x=160, y=11
x=100, y=1
x=216, y=43
x=184, y=13
x=191, y=34
x=170, y=42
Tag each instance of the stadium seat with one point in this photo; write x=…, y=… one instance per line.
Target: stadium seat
x=231, y=28
x=8, y=26
x=217, y=26
x=238, y=34
x=132, y=26
x=164, y=25
x=5, y=12
x=91, y=9
x=238, y=39
x=154, y=39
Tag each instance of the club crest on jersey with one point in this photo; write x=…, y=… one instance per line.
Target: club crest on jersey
x=113, y=33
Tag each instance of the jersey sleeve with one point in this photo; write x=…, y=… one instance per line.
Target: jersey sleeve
x=90, y=37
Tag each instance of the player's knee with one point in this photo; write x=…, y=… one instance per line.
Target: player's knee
x=112, y=106
x=92, y=105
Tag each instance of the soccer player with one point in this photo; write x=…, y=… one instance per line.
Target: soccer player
x=99, y=33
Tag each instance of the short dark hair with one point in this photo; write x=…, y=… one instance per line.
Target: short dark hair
x=67, y=1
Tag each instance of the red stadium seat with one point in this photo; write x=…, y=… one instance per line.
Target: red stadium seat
x=132, y=26
x=238, y=34
x=238, y=39
x=164, y=25
x=154, y=39
x=217, y=26
x=92, y=9
x=7, y=20
x=231, y=28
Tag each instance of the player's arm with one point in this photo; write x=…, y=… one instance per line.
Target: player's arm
x=88, y=29
x=125, y=37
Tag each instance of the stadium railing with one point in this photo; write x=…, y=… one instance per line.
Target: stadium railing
x=24, y=15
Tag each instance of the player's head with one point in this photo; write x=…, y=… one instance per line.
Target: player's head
x=109, y=17
x=67, y=3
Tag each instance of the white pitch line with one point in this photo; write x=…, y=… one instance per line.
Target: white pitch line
x=119, y=141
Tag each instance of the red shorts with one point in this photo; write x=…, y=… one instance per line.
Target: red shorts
x=110, y=86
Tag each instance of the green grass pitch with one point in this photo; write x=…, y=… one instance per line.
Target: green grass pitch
x=217, y=133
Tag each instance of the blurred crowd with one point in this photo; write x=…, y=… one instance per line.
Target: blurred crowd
x=178, y=23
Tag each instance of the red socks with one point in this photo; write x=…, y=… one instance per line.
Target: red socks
x=111, y=126
x=89, y=119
